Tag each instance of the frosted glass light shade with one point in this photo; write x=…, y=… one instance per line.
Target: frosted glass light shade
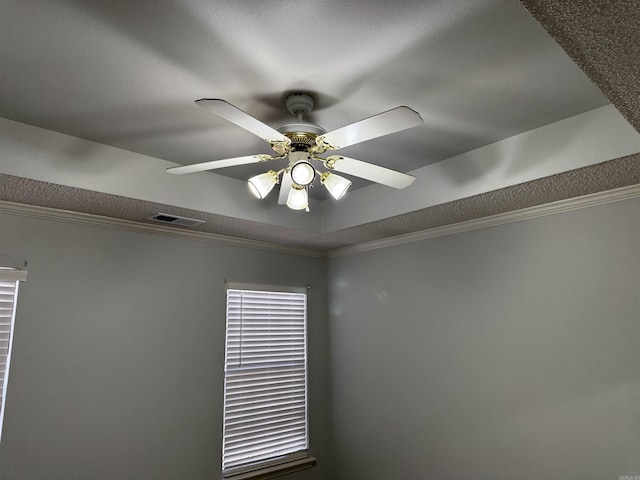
x=262, y=184
x=336, y=184
x=303, y=173
x=298, y=198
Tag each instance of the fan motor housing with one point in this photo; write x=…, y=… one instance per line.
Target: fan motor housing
x=302, y=135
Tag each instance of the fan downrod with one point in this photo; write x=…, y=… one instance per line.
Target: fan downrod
x=301, y=134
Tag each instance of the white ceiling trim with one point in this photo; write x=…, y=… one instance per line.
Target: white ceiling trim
x=78, y=218
x=561, y=206
x=592, y=137
x=591, y=200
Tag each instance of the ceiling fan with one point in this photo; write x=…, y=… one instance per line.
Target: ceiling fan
x=304, y=143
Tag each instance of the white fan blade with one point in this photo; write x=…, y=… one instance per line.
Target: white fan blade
x=227, y=162
x=242, y=119
x=369, y=171
x=285, y=186
x=391, y=121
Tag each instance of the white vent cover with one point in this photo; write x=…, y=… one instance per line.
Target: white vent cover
x=175, y=220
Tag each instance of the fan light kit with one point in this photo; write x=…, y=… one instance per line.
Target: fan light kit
x=304, y=143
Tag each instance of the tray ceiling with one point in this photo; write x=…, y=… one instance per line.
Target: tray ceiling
x=125, y=75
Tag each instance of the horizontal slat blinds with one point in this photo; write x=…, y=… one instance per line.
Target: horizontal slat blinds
x=8, y=297
x=265, y=403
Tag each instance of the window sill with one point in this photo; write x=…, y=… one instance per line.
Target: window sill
x=273, y=471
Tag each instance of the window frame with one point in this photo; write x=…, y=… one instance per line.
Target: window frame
x=13, y=276
x=278, y=464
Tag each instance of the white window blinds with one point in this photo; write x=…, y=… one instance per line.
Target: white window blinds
x=9, y=281
x=265, y=397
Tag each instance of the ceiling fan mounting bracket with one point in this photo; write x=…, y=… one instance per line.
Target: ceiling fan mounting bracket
x=330, y=161
x=299, y=104
x=324, y=146
x=281, y=148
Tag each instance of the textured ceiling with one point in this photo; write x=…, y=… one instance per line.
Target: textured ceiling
x=127, y=73
x=593, y=179
x=603, y=38
x=472, y=69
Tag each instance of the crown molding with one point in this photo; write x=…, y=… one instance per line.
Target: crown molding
x=561, y=206
x=601, y=198
x=78, y=218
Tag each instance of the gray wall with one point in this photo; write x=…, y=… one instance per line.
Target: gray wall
x=508, y=352
x=117, y=370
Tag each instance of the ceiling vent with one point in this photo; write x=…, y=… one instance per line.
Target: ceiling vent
x=175, y=220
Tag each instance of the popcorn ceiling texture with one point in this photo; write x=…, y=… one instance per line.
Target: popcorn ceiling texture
x=51, y=195
x=595, y=178
x=602, y=37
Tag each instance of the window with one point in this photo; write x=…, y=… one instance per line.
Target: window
x=265, y=392
x=9, y=281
